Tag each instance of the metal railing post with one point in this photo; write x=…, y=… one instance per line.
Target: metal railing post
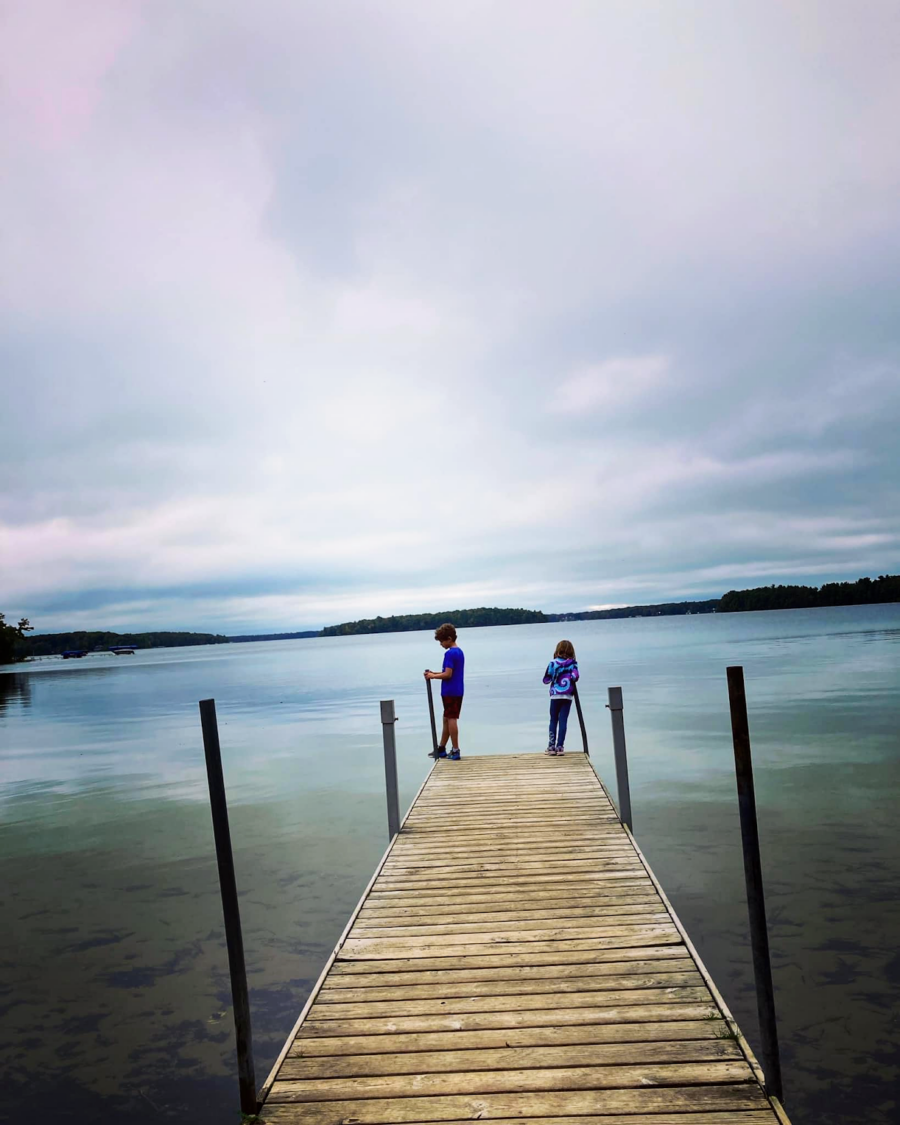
x=584, y=741
x=618, y=733
x=230, y=909
x=756, y=903
x=388, y=720
x=434, y=741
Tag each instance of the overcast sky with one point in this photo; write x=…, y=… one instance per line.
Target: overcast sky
x=311, y=311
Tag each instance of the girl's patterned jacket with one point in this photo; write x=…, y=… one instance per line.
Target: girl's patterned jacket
x=561, y=676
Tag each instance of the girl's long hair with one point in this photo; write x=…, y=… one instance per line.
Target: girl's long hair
x=565, y=650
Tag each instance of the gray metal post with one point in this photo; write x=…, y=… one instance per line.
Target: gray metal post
x=756, y=903
x=434, y=741
x=228, y=886
x=388, y=719
x=584, y=741
x=618, y=733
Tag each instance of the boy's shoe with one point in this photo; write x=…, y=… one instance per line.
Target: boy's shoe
x=454, y=756
x=551, y=750
x=441, y=752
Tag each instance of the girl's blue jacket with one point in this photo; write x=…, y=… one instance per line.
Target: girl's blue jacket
x=561, y=676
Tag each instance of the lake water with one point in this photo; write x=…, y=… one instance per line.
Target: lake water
x=114, y=987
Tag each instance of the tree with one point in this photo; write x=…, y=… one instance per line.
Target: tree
x=11, y=638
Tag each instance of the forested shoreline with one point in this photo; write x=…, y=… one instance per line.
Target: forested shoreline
x=865, y=591
x=461, y=618
x=15, y=645
x=93, y=640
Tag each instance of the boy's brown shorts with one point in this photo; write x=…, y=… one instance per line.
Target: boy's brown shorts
x=452, y=705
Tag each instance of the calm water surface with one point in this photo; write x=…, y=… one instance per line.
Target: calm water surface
x=114, y=988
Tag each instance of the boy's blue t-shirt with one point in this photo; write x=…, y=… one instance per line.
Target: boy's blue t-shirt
x=453, y=658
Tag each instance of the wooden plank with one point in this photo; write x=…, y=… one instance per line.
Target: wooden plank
x=453, y=867
x=422, y=823
x=462, y=899
x=643, y=894
x=561, y=908
x=377, y=949
x=512, y=1081
x=502, y=960
x=387, y=919
x=511, y=1058
x=487, y=810
x=623, y=916
x=577, y=1034
x=485, y=1021
x=402, y=946
x=601, y=831
x=508, y=973
x=393, y=991
x=381, y=949
x=525, y=880
x=576, y=1103
x=511, y=867
x=287, y=1114
x=584, y=813
x=482, y=846
x=532, y=1001
x=550, y=849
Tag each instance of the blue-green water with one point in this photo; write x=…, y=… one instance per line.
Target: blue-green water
x=114, y=990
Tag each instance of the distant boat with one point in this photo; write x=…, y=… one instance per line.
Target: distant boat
x=122, y=650
x=74, y=653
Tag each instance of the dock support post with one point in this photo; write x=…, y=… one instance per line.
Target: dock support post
x=230, y=909
x=618, y=733
x=756, y=903
x=584, y=741
x=434, y=741
x=388, y=719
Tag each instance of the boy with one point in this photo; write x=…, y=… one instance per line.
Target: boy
x=451, y=690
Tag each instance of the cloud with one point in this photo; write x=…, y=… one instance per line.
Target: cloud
x=610, y=383
x=335, y=310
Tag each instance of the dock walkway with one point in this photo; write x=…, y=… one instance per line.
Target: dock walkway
x=514, y=957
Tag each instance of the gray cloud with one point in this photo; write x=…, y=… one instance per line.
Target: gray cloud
x=317, y=311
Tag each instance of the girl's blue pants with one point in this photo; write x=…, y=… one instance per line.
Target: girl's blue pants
x=559, y=716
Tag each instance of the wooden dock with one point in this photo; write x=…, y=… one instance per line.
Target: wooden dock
x=514, y=957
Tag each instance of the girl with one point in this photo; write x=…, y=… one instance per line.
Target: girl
x=561, y=674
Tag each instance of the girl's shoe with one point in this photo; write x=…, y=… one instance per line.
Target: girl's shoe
x=560, y=751
x=551, y=750
x=454, y=756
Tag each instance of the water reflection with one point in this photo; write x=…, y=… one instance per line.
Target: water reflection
x=14, y=688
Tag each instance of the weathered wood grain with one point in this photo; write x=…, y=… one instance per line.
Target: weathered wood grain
x=486, y=1021
x=692, y=1025
x=508, y=973
x=561, y=987
x=502, y=960
x=574, y=1103
x=513, y=1058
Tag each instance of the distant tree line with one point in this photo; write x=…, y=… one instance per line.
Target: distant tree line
x=865, y=591
x=276, y=636
x=461, y=618
x=51, y=644
x=663, y=609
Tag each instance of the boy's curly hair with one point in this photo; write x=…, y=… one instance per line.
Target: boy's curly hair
x=445, y=632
